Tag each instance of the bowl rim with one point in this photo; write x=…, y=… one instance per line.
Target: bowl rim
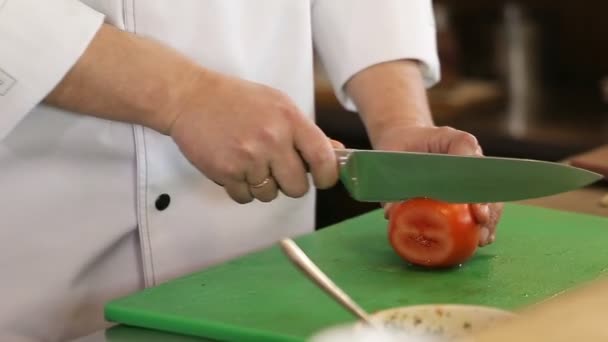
x=485, y=308
x=359, y=324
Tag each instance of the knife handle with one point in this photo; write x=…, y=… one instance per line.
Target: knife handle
x=342, y=155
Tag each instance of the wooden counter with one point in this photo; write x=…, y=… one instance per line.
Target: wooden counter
x=577, y=315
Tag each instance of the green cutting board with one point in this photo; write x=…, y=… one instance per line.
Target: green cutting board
x=262, y=297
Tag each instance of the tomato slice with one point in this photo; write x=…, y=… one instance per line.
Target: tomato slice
x=431, y=233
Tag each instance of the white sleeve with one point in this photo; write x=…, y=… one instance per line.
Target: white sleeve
x=40, y=40
x=351, y=35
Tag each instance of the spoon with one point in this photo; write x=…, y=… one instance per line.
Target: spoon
x=303, y=262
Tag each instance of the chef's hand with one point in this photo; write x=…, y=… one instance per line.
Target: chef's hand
x=391, y=99
x=442, y=140
x=247, y=137
x=252, y=140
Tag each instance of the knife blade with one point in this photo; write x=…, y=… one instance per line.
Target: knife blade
x=387, y=176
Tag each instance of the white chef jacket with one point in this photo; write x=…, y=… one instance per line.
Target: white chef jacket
x=79, y=222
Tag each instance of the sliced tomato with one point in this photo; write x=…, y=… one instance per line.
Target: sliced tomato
x=432, y=233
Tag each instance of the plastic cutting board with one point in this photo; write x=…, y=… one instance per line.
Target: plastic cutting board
x=262, y=297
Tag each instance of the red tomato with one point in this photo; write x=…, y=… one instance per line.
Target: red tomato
x=433, y=234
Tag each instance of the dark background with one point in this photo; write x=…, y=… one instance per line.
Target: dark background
x=568, y=46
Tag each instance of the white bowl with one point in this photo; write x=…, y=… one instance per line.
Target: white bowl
x=433, y=322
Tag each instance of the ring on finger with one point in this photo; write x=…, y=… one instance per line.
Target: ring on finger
x=260, y=184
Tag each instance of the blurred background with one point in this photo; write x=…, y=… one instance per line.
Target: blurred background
x=528, y=78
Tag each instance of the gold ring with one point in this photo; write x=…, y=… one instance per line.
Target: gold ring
x=261, y=184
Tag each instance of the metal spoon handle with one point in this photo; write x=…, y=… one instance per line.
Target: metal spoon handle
x=301, y=260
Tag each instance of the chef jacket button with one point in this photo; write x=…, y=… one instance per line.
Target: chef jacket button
x=162, y=202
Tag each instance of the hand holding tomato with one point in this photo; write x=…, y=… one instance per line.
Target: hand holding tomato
x=487, y=215
x=433, y=234
x=413, y=138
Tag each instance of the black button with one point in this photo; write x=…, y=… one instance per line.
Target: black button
x=162, y=202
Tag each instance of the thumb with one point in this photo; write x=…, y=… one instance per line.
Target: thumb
x=461, y=143
x=336, y=144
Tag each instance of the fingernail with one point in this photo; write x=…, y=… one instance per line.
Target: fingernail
x=492, y=238
x=469, y=153
x=485, y=211
x=387, y=210
x=336, y=143
x=485, y=232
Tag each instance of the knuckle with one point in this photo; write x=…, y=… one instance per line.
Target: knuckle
x=297, y=190
x=228, y=168
x=445, y=130
x=288, y=111
x=245, y=151
x=284, y=106
x=266, y=194
x=320, y=157
x=295, y=184
x=271, y=135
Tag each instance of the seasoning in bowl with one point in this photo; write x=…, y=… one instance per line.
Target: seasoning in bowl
x=441, y=322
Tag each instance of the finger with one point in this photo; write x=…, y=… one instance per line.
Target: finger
x=239, y=191
x=484, y=236
x=464, y=145
x=387, y=209
x=460, y=143
x=481, y=213
x=496, y=210
x=317, y=152
x=259, y=179
x=336, y=144
x=487, y=215
x=257, y=171
x=266, y=191
x=289, y=172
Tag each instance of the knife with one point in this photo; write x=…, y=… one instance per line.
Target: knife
x=387, y=176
